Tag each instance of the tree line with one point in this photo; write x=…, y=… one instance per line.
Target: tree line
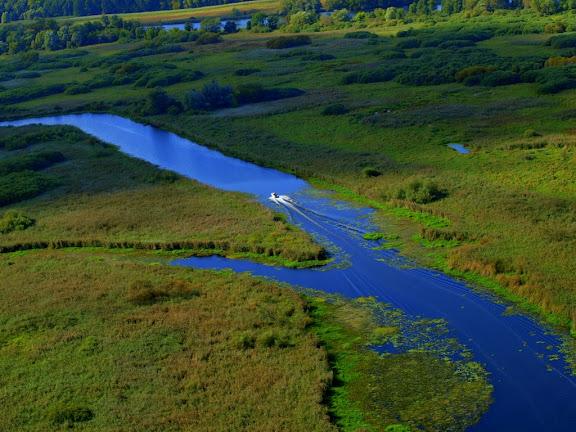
x=12, y=10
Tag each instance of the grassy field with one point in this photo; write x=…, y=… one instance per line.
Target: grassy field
x=245, y=8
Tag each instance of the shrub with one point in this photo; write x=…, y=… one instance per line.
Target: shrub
x=408, y=44
x=250, y=93
x=245, y=341
x=555, y=27
x=72, y=415
x=392, y=55
x=563, y=41
x=19, y=186
x=559, y=61
x=318, y=57
x=360, y=35
x=531, y=133
x=146, y=293
x=212, y=96
x=167, y=78
x=207, y=38
x=22, y=94
x=455, y=44
x=556, y=85
x=336, y=109
x=246, y=72
x=78, y=89
x=498, y=78
x=15, y=221
x=371, y=172
x=421, y=192
x=470, y=71
x=365, y=77
x=32, y=161
x=159, y=102
x=284, y=42
x=254, y=93
x=29, y=75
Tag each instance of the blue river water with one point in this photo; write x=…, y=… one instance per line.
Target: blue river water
x=533, y=390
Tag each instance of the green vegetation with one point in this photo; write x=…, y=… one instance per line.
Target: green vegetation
x=100, y=341
x=415, y=389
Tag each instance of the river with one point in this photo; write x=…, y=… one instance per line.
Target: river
x=533, y=390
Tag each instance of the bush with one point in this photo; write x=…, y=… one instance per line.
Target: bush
x=408, y=44
x=29, y=75
x=371, y=172
x=531, y=133
x=72, y=415
x=167, y=78
x=32, y=161
x=360, y=35
x=471, y=71
x=564, y=41
x=555, y=27
x=19, y=186
x=284, y=42
x=212, y=96
x=246, y=72
x=14, y=221
x=421, y=192
x=455, y=44
x=336, y=109
x=365, y=77
x=499, y=78
x=144, y=293
x=22, y=94
x=394, y=54
x=254, y=93
x=159, y=102
x=78, y=89
x=207, y=38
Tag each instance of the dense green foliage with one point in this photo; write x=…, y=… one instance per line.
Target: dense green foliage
x=11, y=10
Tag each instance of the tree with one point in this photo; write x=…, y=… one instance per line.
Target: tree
x=211, y=25
x=230, y=27
x=51, y=40
x=290, y=7
x=4, y=18
x=158, y=102
x=212, y=96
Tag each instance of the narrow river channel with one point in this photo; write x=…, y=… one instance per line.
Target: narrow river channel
x=533, y=390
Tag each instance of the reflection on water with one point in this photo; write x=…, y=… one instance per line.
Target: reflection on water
x=533, y=391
